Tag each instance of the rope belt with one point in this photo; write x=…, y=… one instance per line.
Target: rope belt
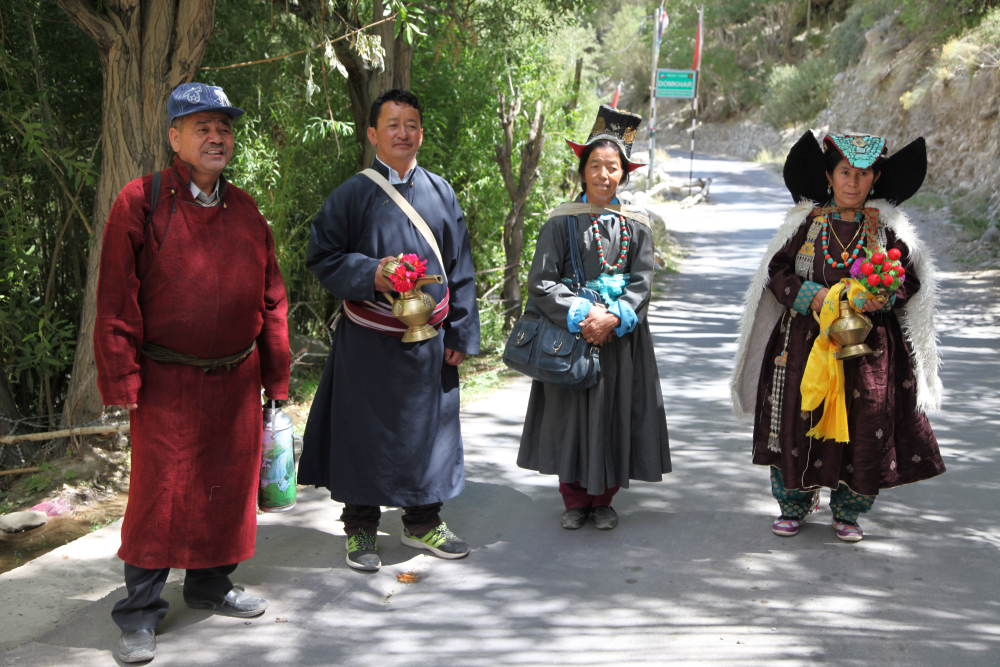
x=378, y=316
x=166, y=355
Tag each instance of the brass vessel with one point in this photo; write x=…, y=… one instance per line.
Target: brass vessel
x=849, y=331
x=413, y=308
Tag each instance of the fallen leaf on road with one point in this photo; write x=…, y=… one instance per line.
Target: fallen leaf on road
x=407, y=577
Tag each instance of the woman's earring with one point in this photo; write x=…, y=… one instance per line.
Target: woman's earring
x=873, y=190
x=828, y=189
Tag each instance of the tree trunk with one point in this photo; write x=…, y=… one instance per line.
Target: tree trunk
x=518, y=191
x=365, y=83
x=147, y=48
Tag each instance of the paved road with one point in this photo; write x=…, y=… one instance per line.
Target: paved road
x=692, y=575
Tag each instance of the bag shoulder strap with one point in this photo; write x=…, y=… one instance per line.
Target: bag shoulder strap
x=410, y=212
x=574, y=251
x=154, y=197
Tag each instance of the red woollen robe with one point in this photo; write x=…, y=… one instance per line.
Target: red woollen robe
x=201, y=281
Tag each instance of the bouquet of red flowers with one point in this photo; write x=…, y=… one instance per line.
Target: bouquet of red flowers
x=882, y=274
x=409, y=269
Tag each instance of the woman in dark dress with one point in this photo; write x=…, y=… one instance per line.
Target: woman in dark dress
x=886, y=391
x=597, y=439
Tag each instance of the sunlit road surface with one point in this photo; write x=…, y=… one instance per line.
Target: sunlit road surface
x=692, y=575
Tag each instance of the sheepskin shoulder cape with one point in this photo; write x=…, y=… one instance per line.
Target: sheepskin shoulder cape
x=762, y=311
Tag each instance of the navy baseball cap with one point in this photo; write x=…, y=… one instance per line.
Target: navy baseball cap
x=189, y=98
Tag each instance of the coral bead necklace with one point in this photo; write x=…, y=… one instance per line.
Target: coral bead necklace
x=600, y=244
x=847, y=259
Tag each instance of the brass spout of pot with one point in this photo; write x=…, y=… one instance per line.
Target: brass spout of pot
x=429, y=280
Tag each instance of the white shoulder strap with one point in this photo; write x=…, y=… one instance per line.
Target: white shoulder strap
x=410, y=212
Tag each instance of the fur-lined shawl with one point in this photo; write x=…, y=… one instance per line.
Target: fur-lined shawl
x=762, y=310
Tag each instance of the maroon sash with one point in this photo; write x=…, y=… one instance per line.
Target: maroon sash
x=378, y=316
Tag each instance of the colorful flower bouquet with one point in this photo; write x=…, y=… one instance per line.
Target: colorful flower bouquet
x=881, y=275
x=408, y=271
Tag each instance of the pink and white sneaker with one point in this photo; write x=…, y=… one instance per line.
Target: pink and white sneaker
x=786, y=527
x=848, y=532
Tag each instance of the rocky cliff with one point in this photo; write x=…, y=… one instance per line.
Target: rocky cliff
x=893, y=92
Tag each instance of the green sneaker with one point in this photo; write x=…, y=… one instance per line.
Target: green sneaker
x=440, y=541
x=362, y=552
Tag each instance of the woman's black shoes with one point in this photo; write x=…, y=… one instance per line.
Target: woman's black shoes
x=574, y=518
x=605, y=518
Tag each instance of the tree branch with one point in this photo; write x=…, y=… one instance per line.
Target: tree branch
x=97, y=28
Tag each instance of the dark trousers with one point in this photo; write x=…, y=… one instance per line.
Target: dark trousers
x=575, y=496
x=420, y=519
x=144, y=608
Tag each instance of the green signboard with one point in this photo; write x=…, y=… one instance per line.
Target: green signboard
x=676, y=83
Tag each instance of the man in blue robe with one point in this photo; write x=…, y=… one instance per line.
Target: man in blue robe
x=384, y=426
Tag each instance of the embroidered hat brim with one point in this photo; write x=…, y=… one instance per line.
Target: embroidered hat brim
x=901, y=174
x=578, y=149
x=616, y=126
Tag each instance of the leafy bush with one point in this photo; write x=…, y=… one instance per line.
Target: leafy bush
x=797, y=93
x=847, y=39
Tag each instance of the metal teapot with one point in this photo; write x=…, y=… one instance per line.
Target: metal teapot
x=413, y=308
x=849, y=331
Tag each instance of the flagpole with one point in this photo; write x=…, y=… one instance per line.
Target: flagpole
x=652, y=97
x=697, y=84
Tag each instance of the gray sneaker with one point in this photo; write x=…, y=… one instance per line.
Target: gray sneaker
x=362, y=552
x=137, y=645
x=236, y=603
x=605, y=518
x=439, y=541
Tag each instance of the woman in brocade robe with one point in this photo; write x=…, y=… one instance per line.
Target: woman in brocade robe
x=886, y=391
x=597, y=439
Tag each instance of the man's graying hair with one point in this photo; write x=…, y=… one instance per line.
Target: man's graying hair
x=178, y=123
x=397, y=95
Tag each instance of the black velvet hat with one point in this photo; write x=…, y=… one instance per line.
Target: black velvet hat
x=902, y=174
x=616, y=126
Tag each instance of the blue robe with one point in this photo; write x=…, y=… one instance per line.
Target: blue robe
x=384, y=425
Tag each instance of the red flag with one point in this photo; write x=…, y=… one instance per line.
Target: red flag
x=697, y=41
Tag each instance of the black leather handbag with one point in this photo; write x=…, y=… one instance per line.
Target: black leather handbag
x=543, y=350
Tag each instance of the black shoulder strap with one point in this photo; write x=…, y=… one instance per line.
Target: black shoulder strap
x=155, y=195
x=579, y=277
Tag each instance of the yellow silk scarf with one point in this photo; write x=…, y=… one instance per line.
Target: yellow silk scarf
x=823, y=379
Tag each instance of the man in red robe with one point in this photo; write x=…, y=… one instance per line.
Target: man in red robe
x=191, y=323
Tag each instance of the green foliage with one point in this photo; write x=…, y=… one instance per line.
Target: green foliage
x=797, y=93
x=289, y=153
x=846, y=41
x=49, y=126
x=35, y=483
x=943, y=19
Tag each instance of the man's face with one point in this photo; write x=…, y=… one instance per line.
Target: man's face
x=398, y=134
x=204, y=140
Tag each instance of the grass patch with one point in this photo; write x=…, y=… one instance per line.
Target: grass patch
x=481, y=375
